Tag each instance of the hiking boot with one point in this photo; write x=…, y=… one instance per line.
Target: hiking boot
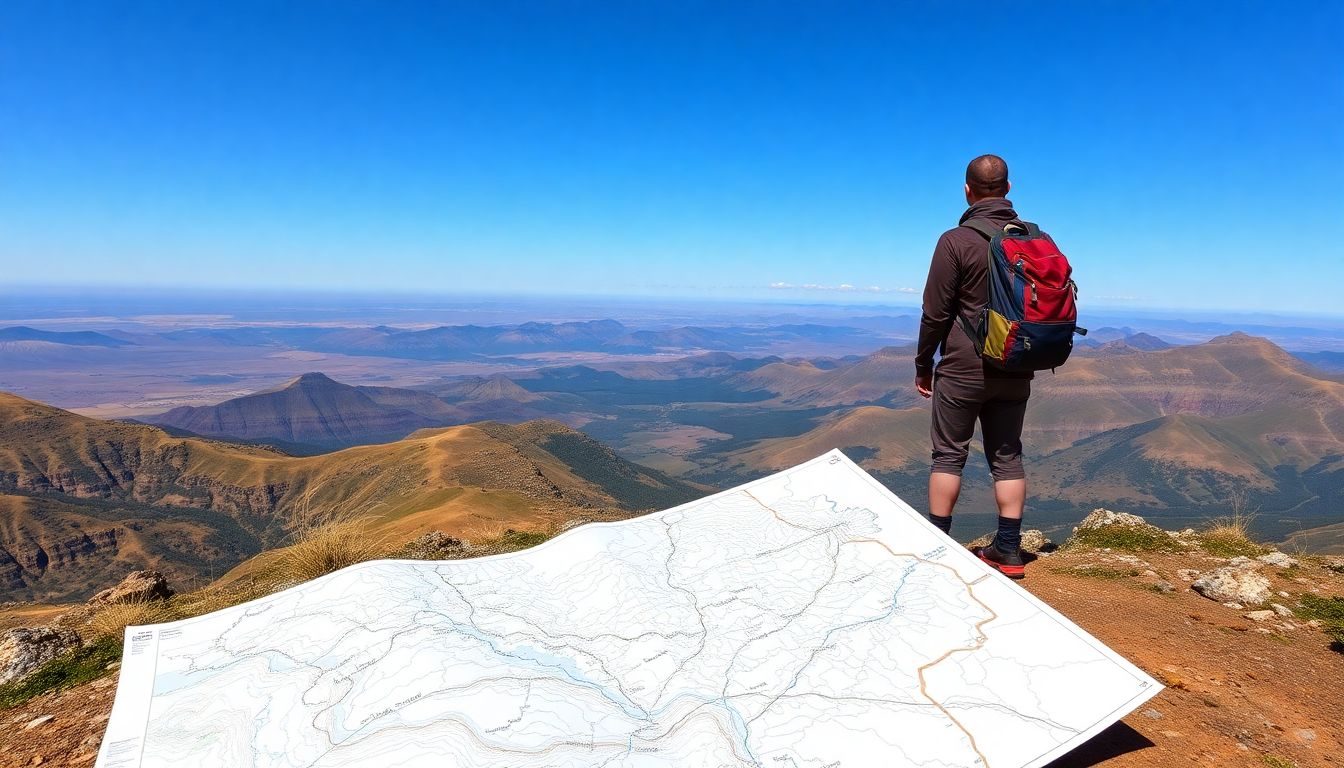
x=1008, y=563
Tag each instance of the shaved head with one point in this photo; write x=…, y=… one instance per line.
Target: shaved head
x=987, y=176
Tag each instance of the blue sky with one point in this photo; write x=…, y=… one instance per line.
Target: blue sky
x=1184, y=154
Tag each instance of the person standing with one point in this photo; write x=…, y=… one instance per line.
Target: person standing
x=963, y=386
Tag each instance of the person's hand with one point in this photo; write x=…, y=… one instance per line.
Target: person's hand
x=924, y=385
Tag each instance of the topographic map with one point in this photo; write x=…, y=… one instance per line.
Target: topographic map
x=810, y=618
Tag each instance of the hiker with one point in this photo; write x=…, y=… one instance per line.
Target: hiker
x=966, y=386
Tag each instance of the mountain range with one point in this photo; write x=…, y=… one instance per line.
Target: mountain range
x=1132, y=422
x=86, y=499
x=1179, y=434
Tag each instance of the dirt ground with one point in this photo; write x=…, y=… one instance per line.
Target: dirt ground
x=1239, y=693
x=1235, y=696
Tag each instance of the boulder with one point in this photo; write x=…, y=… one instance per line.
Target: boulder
x=137, y=587
x=1234, y=585
x=24, y=649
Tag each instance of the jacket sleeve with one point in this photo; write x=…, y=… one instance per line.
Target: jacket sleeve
x=940, y=302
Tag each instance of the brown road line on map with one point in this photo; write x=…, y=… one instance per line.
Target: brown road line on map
x=980, y=635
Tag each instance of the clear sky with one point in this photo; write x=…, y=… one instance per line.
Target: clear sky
x=1183, y=154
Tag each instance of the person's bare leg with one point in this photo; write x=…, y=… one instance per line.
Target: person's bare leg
x=944, y=488
x=1010, y=495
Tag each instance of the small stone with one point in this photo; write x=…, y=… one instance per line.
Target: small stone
x=37, y=760
x=1033, y=540
x=1241, y=561
x=1281, y=610
x=1277, y=559
x=1305, y=734
x=1187, y=574
x=1165, y=587
x=1260, y=615
x=35, y=722
x=1152, y=714
x=1284, y=594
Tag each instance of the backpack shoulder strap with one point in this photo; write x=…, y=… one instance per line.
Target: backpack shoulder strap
x=983, y=227
x=989, y=231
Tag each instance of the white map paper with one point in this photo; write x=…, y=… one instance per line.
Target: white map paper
x=810, y=618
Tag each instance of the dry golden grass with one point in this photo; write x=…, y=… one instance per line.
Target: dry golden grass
x=321, y=548
x=112, y=620
x=1230, y=536
x=214, y=597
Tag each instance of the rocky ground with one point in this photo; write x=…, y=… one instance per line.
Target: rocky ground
x=1249, y=681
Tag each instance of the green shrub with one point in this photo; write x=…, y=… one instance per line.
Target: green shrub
x=1098, y=572
x=1125, y=538
x=1330, y=612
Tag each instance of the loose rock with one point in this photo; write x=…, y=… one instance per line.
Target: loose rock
x=1260, y=615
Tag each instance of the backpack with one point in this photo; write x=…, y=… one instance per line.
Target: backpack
x=1032, y=312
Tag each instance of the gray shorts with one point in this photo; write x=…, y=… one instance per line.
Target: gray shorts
x=999, y=405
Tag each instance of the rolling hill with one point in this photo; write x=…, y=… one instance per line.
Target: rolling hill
x=68, y=338
x=1228, y=376
x=86, y=497
x=1173, y=433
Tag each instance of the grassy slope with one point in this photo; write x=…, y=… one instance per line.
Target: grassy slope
x=468, y=478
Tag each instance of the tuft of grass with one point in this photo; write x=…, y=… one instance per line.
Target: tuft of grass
x=1230, y=537
x=1098, y=572
x=74, y=667
x=323, y=548
x=1274, y=761
x=1336, y=567
x=214, y=597
x=1327, y=610
x=112, y=620
x=1124, y=538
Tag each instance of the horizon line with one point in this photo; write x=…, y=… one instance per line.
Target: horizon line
x=843, y=299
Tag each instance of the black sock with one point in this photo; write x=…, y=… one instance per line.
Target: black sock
x=1009, y=537
x=943, y=524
